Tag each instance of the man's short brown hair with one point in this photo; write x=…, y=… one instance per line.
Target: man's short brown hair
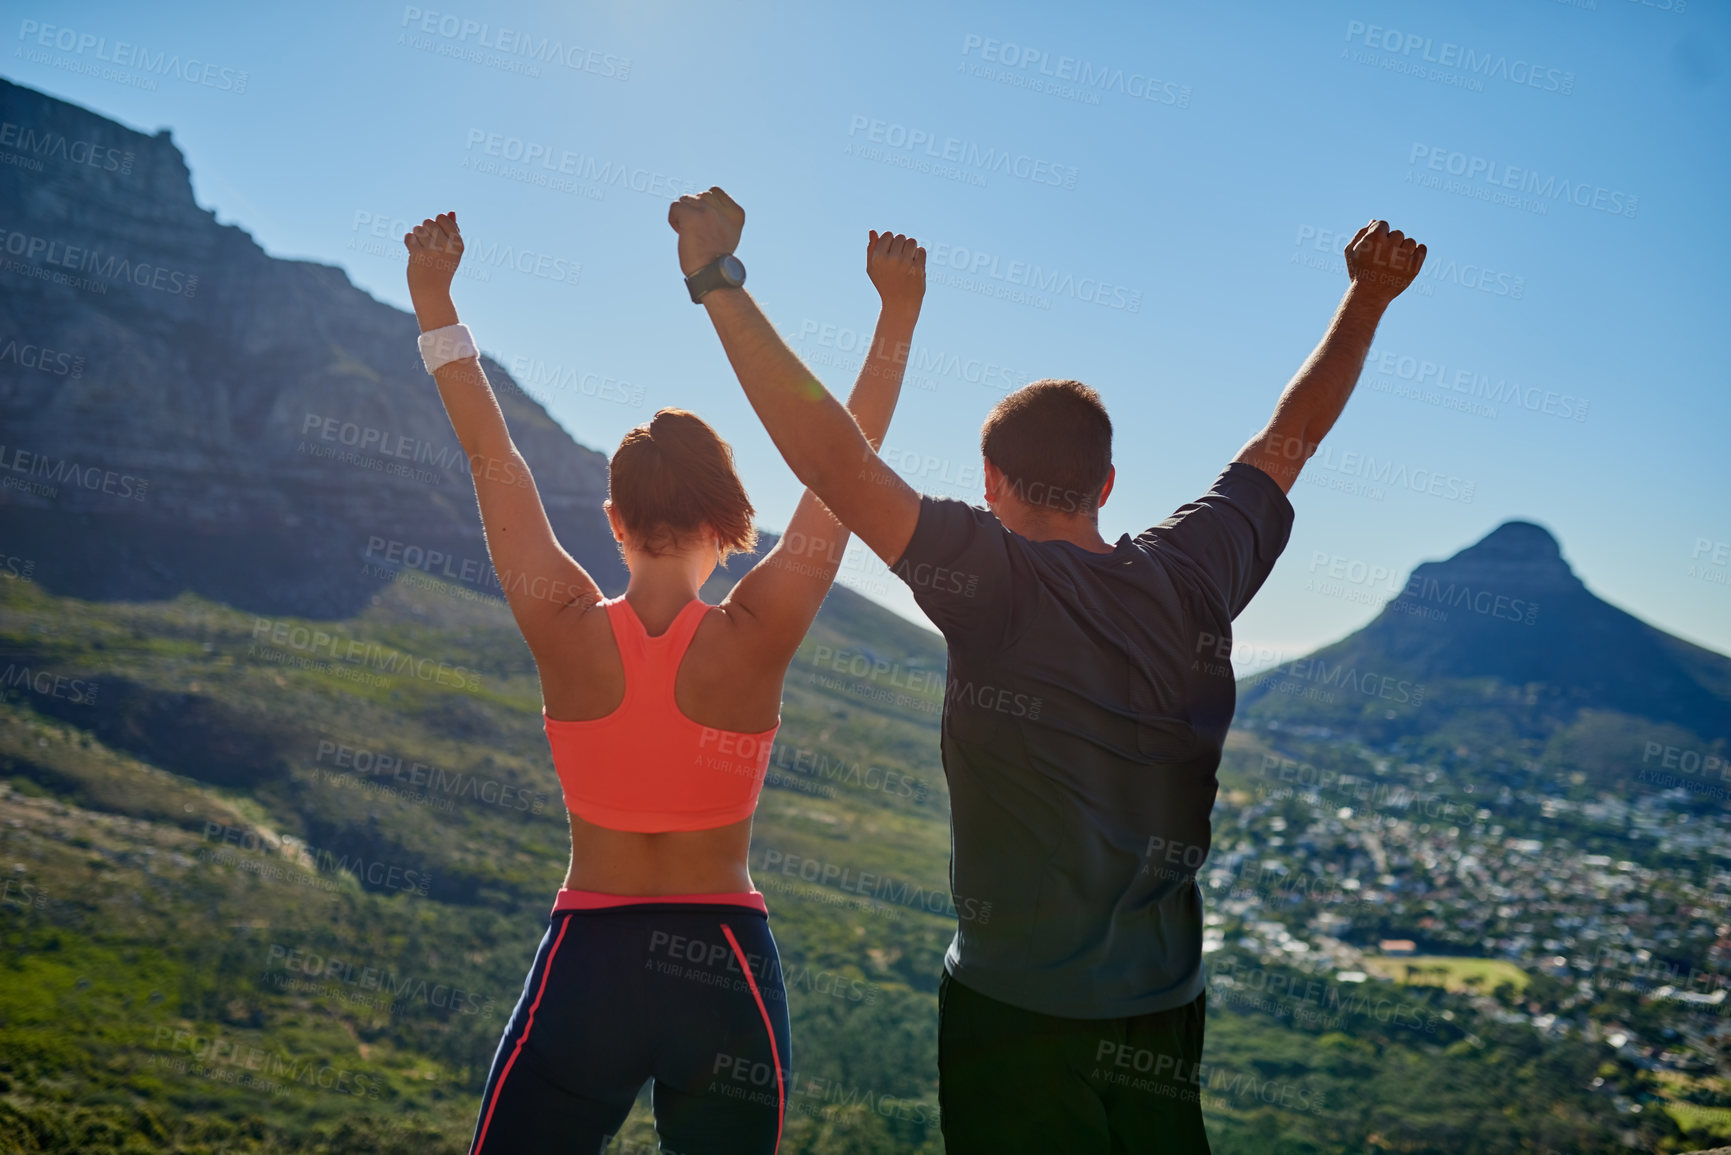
x=1053, y=442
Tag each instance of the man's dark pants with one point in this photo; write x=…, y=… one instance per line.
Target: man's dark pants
x=1011, y=1080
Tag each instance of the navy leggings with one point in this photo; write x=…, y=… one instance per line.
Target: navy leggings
x=689, y=995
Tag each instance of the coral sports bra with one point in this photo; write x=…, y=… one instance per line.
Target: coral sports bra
x=646, y=767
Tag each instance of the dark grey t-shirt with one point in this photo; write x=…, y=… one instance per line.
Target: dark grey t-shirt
x=1088, y=699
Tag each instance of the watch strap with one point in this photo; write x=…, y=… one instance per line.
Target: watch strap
x=709, y=278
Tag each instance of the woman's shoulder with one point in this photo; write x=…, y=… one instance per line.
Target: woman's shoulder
x=574, y=630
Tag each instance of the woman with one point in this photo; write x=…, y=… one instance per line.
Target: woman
x=658, y=961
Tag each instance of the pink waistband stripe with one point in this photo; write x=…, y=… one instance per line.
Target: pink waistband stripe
x=596, y=900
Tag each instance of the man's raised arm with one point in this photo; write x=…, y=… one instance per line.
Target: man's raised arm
x=816, y=436
x=1380, y=264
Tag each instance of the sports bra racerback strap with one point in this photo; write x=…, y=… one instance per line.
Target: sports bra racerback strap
x=652, y=663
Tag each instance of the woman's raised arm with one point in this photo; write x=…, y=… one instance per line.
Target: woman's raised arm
x=539, y=578
x=784, y=591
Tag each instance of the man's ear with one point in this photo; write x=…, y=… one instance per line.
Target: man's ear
x=1106, y=490
x=994, y=482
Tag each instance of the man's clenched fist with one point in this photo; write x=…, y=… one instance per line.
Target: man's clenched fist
x=708, y=225
x=1383, y=263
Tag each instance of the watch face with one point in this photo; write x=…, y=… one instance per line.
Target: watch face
x=733, y=269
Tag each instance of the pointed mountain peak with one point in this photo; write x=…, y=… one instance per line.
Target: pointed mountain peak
x=1515, y=558
x=1517, y=541
x=1503, y=633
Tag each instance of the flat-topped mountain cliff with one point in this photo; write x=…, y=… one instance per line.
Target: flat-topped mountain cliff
x=183, y=411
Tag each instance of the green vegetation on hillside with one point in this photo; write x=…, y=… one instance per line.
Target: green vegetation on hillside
x=268, y=931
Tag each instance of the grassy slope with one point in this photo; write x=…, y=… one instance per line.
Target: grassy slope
x=158, y=993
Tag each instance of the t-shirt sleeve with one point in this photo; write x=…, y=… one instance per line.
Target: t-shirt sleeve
x=1232, y=535
x=957, y=564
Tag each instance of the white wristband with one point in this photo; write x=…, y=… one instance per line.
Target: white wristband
x=439, y=347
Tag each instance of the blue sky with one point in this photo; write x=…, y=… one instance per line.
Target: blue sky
x=1145, y=197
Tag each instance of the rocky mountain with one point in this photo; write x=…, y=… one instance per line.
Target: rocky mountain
x=1503, y=647
x=183, y=411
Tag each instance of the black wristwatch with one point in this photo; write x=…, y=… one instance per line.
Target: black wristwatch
x=724, y=272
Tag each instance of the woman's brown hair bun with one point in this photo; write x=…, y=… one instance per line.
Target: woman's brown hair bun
x=673, y=476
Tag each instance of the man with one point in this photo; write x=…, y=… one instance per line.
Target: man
x=1084, y=715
